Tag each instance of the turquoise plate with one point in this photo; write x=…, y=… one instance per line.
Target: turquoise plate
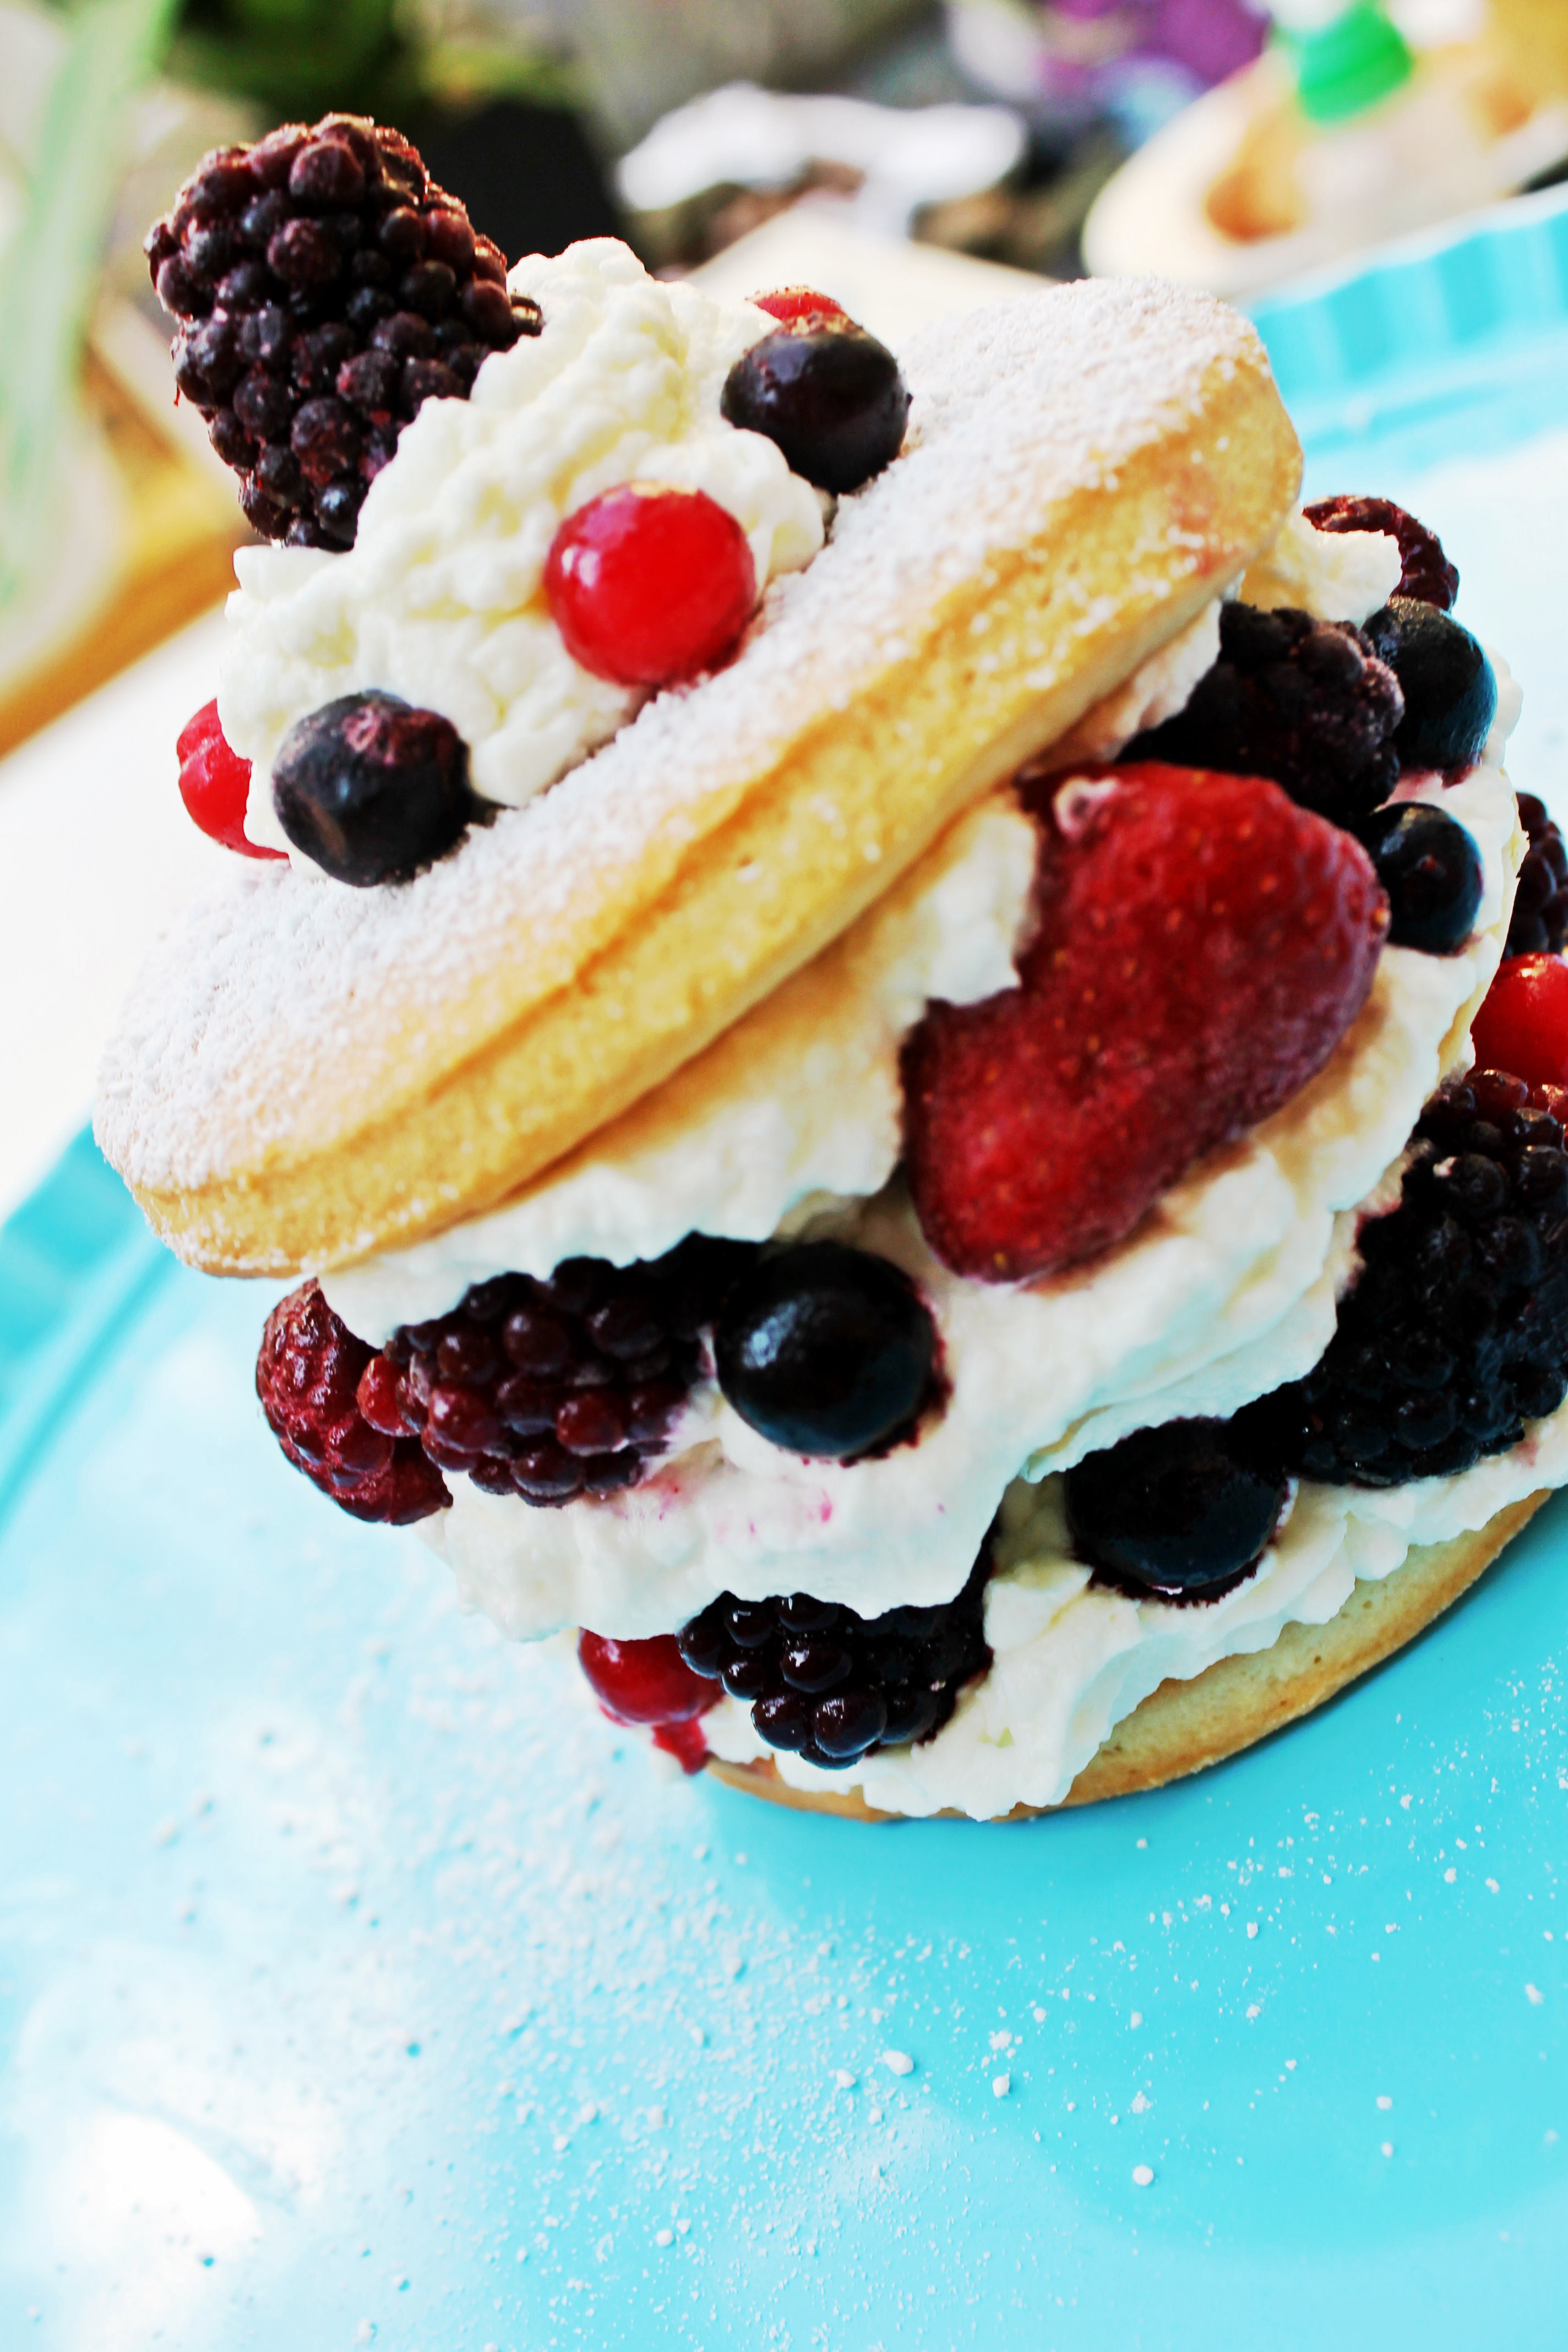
x=358, y=1984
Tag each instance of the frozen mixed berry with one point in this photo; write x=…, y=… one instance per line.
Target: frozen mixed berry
x=1523, y=1024
x=215, y=783
x=826, y=1351
x=832, y=1685
x=1449, y=684
x=371, y=790
x=308, y=1376
x=1432, y=871
x=551, y=1390
x=1426, y=572
x=1538, y=924
x=649, y=585
x=1455, y=1334
x=1308, y=703
x=326, y=289
x=1201, y=945
x=788, y=303
x=1180, y=1513
x=827, y=393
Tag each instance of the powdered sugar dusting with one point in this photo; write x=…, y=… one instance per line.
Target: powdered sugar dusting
x=256, y=1005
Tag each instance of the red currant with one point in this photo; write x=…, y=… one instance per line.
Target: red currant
x=649, y=585
x=643, y=1681
x=787, y=302
x=1522, y=1027
x=215, y=783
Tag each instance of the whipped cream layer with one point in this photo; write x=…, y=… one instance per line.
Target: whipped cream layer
x=1228, y=1288
x=801, y=1100
x=440, y=599
x=1071, y=1659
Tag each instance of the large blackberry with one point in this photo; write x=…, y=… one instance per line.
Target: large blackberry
x=326, y=288
x=555, y=1388
x=1456, y=1333
x=1539, y=925
x=834, y=1686
x=1306, y=703
x=1426, y=572
x=307, y=1373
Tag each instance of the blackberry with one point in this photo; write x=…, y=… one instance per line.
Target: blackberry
x=834, y=1686
x=1305, y=702
x=1180, y=1513
x=1428, y=573
x=1539, y=925
x=326, y=288
x=554, y=1389
x=1455, y=1332
x=826, y=1351
x=307, y=1373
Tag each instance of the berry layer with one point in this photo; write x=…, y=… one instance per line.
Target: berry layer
x=440, y=599
x=1070, y=1659
x=1228, y=1289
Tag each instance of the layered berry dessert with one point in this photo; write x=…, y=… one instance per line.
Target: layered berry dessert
x=911, y=1040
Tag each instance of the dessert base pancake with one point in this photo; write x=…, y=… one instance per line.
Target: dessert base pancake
x=1184, y=1726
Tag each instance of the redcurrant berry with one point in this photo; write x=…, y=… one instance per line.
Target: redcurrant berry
x=1522, y=1027
x=788, y=302
x=643, y=1681
x=649, y=585
x=215, y=783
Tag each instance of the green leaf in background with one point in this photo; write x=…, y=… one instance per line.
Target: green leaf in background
x=49, y=270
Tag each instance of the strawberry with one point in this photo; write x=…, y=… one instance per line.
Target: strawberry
x=1202, y=944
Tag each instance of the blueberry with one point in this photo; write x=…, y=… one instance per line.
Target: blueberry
x=1432, y=871
x=829, y=396
x=371, y=790
x=826, y=1350
x=1451, y=692
x=1180, y=1513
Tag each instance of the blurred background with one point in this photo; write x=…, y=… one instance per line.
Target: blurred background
x=1216, y=140
x=910, y=156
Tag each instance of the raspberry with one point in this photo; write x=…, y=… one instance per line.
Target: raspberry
x=306, y=1376
x=834, y=1686
x=1428, y=573
x=557, y=1388
x=1539, y=925
x=1522, y=1025
x=649, y=585
x=1202, y=946
x=215, y=783
x=1305, y=702
x=788, y=303
x=326, y=289
x=1455, y=1331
